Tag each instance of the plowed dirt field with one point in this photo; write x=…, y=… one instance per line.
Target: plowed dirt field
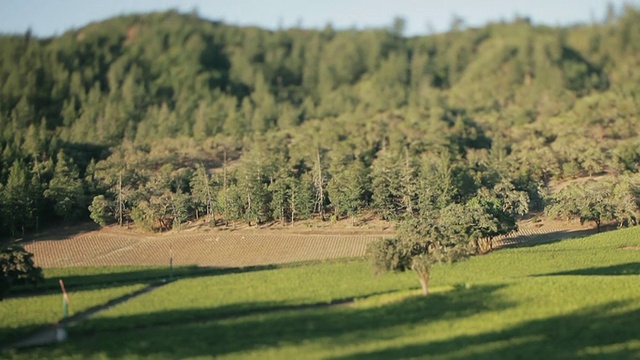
x=223, y=248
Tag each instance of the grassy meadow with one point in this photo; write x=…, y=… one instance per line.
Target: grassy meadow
x=567, y=299
x=23, y=315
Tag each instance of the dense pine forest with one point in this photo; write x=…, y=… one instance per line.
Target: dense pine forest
x=163, y=118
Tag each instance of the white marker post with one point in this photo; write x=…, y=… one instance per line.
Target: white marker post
x=61, y=331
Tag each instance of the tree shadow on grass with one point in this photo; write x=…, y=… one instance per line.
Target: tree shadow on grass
x=602, y=332
x=107, y=280
x=28, y=333
x=153, y=278
x=613, y=270
x=226, y=330
x=529, y=241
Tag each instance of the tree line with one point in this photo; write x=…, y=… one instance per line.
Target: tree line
x=157, y=119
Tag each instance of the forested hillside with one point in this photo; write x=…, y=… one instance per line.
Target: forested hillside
x=162, y=118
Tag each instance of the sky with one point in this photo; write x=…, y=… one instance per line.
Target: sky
x=48, y=17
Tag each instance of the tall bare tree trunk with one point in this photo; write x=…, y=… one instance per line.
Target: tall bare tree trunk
x=224, y=186
x=318, y=180
x=407, y=178
x=293, y=205
x=120, y=201
x=423, y=277
x=37, y=205
x=209, y=197
x=249, y=208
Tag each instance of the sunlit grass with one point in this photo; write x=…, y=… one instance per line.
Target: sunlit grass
x=237, y=294
x=21, y=315
x=574, y=298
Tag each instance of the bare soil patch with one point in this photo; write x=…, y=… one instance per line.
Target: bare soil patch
x=241, y=246
x=198, y=244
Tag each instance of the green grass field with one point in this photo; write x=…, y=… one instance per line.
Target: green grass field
x=578, y=298
x=23, y=315
x=91, y=277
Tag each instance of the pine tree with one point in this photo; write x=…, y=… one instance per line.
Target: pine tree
x=280, y=191
x=253, y=193
x=203, y=191
x=386, y=185
x=65, y=189
x=101, y=210
x=319, y=182
x=16, y=200
x=347, y=188
x=301, y=201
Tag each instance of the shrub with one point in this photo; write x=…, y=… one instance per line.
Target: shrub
x=17, y=268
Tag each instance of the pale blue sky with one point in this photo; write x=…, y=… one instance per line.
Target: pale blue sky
x=49, y=17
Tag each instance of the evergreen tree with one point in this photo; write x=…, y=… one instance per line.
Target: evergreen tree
x=180, y=206
x=66, y=189
x=347, y=188
x=281, y=191
x=301, y=201
x=17, y=199
x=203, y=190
x=254, y=195
x=101, y=210
x=386, y=185
x=231, y=203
